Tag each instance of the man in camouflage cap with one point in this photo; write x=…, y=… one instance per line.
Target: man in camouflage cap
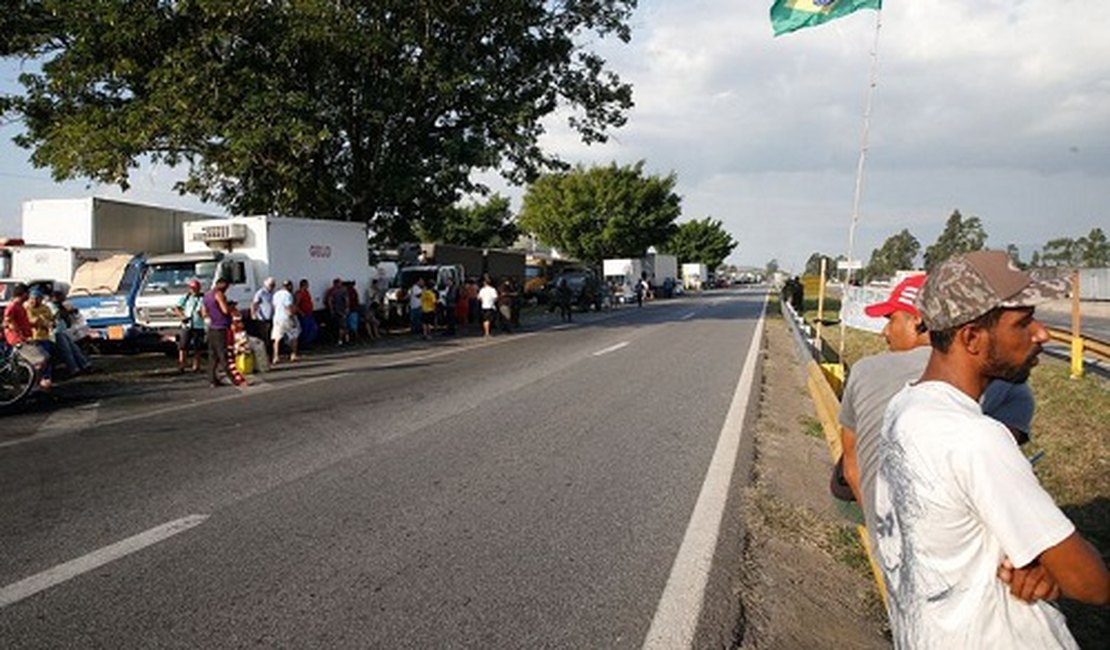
x=956, y=503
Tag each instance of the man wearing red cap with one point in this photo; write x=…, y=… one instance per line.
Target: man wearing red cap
x=191, y=335
x=874, y=380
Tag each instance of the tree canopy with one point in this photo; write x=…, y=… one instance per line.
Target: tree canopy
x=960, y=235
x=813, y=264
x=375, y=111
x=1091, y=251
x=602, y=212
x=484, y=225
x=897, y=253
x=705, y=242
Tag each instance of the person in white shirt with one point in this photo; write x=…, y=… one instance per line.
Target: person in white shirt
x=955, y=499
x=416, y=315
x=487, y=297
x=286, y=325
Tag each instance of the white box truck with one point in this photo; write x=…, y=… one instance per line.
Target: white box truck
x=54, y=263
x=109, y=224
x=695, y=276
x=662, y=272
x=247, y=250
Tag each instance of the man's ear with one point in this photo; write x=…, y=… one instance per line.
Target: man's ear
x=974, y=339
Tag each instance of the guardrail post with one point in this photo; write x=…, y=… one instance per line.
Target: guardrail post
x=1076, y=335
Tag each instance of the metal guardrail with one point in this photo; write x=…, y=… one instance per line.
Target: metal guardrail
x=1095, y=347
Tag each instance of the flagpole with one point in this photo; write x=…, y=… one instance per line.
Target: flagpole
x=872, y=82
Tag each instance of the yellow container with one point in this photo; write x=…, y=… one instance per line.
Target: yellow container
x=244, y=363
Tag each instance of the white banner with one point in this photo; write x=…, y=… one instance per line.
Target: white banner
x=852, y=302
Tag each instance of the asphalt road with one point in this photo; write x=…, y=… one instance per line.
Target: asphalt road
x=532, y=490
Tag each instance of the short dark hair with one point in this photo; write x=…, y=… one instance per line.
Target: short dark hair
x=19, y=290
x=942, y=340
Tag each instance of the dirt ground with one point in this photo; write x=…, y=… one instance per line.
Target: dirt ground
x=806, y=583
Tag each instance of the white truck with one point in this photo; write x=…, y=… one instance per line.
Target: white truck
x=662, y=272
x=695, y=276
x=54, y=263
x=247, y=250
x=106, y=224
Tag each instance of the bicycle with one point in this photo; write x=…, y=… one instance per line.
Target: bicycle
x=17, y=376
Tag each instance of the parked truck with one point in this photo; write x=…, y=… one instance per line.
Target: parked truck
x=104, y=292
x=56, y=263
x=695, y=276
x=662, y=273
x=107, y=224
x=437, y=263
x=247, y=250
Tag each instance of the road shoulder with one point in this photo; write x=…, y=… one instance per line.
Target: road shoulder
x=804, y=579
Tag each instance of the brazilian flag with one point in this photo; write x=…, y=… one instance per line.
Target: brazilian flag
x=790, y=15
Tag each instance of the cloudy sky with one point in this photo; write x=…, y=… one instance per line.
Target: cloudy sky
x=998, y=108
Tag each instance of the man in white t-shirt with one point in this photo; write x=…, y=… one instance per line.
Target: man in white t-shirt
x=954, y=496
x=286, y=326
x=487, y=297
x=416, y=315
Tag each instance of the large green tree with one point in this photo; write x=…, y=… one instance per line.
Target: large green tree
x=960, y=235
x=1094, y=249
x=813, y=264
x=602, y=212
x=1061, y=251
x=705, y=242
x=361, y=110
x=897, y=253
x=489, y=224
x=1090, y=251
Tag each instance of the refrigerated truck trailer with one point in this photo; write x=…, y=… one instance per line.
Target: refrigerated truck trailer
x=107, y=224
x=247, y=250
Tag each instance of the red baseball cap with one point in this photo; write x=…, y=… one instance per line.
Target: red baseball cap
x=901, y=299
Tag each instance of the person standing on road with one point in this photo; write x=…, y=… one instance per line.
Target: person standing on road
x=416, y=313
x=487, y=298
x=563, y=298
x=450, y=305
x=373, y=310
x=286, y=326
x=262, y=309
x=338, y=308
x=306, y=313
x=954, y=495
x=189, y=310
x=217, y=313
x=428, y=302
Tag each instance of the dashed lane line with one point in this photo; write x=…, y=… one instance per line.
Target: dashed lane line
x=611, y=348
x=27, y=587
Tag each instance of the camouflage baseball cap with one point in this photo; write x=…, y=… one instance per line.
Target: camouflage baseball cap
x=967, y=286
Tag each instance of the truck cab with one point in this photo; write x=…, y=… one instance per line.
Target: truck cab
x=435, y=275
x=104, y=292
x=166, y=280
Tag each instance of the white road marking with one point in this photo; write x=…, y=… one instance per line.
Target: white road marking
x=16, y=592
x=61, y=422
x=688, y=316
x=611, y=348
x=676, y=616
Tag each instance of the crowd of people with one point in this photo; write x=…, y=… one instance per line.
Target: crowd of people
x=280, y=320
x=39, y=326
x=971, y=548
x=283, y=320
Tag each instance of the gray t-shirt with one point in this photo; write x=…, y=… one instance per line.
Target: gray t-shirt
x=872, y=383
